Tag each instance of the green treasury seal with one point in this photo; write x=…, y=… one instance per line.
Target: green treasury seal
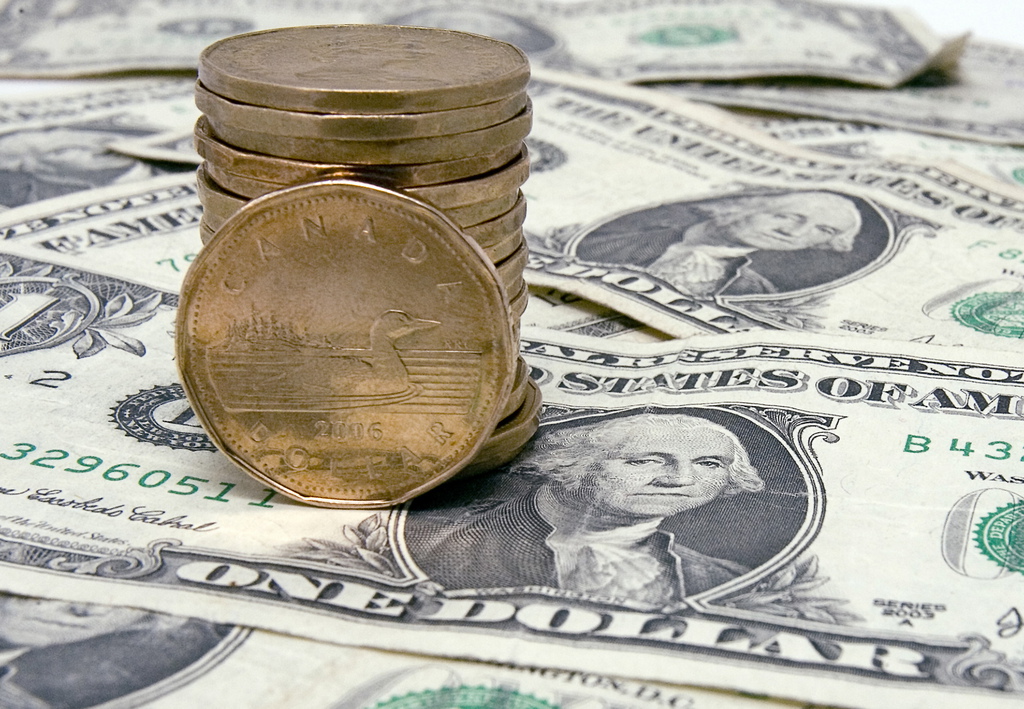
x=465, y=698
x=1000, y=536
x=999, y=314
x=688, y=36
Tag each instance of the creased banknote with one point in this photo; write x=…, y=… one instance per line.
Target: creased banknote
x=681, y=217
x=78, y=655
x=981, y=100
x=154, y=226
x=702, y=224
x=863, y=140
x=819, y=519
x=55, y=144
x=169, y=146
x=555, y=310
x=618, y=39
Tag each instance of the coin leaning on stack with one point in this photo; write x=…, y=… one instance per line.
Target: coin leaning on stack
x=349, y=333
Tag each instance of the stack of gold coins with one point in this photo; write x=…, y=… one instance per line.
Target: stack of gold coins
x=435, y=116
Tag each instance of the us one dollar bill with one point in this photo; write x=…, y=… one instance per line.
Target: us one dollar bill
x=55, y=144
x=979, y=100
x=866, y=141
x=695, y=227
x=680, y=217
x=70, y=654
x=707, y=539
x=154, y=226
x=151, y=224
x=624, y=40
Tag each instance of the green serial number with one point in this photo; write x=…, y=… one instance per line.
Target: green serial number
x=174, y=264
x=993, y=450
x=118, y=472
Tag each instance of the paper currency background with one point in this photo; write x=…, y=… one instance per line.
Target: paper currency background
x=828, y=514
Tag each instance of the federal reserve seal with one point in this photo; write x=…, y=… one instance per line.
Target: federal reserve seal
x=688, y=36
x=1000, y=536
x=1000, y=314
x=162, y=416
x=465, y=698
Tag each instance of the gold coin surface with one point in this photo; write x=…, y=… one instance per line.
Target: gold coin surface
x=234, y=168
x=517, y=302
x=499, y=227
x=336, y=126
x=363, y=69
x=345, y=344
x=206, y=232
x=510, y=437
x=502, y=249
x=218, y=206
x=510, y=269
x=218, y=203
x=517, y=395
x=495, y=251
x=491, y=184
x=471, y=215
x=505, y=180
x=380, y=152
x=213, y=220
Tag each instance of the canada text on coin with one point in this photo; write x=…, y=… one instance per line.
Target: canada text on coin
x=345, y=344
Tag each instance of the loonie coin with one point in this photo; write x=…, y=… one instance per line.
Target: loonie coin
x=219, y=204
x=510, y=436
x=517, y=303
x=226, y=162
x=446, y=195
x=315, y=374
x=495, y=252
x=471, y=215
x=501, y=250
x=206, y=232
x=380, y=152
x=450, y=195
x=510, y=270
x=334, y=126
x=499, y=227
x=517, y=395
x=363, y=69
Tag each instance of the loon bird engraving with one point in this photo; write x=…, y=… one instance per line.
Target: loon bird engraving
x=379, y=371
x=291, y=373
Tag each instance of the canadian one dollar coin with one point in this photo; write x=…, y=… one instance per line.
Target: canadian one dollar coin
x=345, y=343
